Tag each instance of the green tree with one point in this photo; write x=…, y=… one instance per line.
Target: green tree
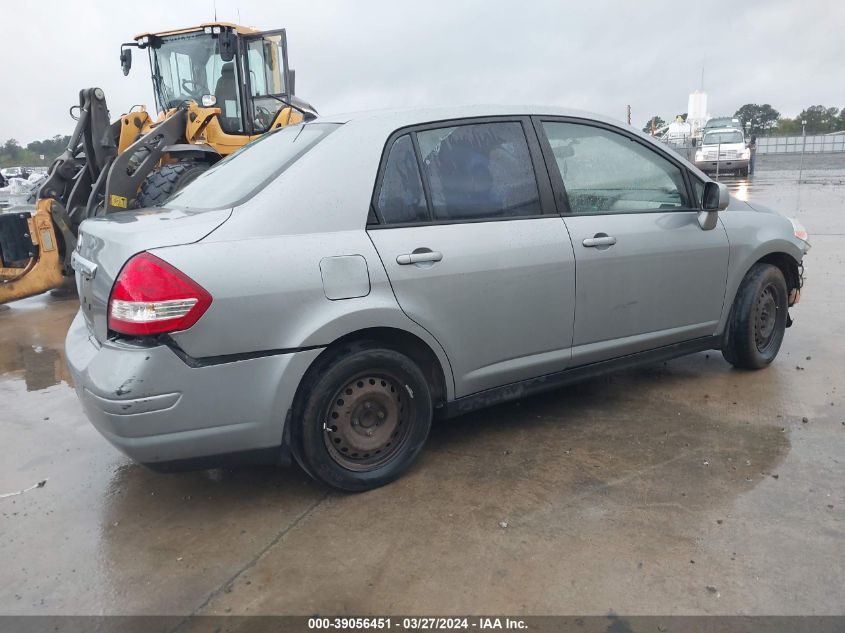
x=653, y=123
x=12, y=149
x=820, y=120
x=50, y=147
x=13, y=155
x=757, y=118
x=788, y=127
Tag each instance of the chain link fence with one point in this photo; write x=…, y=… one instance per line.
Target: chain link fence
x=815, y=144
x=810, y=144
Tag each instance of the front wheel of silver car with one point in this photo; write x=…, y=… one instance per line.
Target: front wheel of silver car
x=362, y=417
x=758, y=318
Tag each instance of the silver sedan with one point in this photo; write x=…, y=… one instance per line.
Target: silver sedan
x=334, y=286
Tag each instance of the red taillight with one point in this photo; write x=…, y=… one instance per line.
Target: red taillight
x=151, y=297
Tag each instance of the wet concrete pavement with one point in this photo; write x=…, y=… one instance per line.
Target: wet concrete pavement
x=680, y=488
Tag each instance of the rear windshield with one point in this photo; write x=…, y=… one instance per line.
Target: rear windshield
x=241, y=175
x=724, y=138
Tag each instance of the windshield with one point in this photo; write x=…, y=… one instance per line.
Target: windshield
x=722, y=138
x=186, y=67
x=241, y=175
x=722, y=122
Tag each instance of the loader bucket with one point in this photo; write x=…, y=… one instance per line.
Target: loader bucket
x=29, y=253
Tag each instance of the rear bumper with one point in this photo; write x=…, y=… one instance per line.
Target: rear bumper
x=156, y=409
x=723, y=165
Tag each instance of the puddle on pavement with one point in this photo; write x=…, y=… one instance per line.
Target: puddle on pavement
x=545, y=493
x=32, y=335
x=595, y=439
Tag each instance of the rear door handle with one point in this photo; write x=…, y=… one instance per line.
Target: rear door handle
x=416, y=258
x=605, y=240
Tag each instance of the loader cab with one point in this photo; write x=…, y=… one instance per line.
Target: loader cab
x=241, y=71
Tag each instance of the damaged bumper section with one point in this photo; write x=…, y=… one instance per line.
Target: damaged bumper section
x=158, y=410
x=795, y=293
x=723, y=165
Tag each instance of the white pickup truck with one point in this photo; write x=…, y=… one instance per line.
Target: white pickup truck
x=723, y=150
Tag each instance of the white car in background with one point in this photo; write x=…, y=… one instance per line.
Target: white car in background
x=723, y=150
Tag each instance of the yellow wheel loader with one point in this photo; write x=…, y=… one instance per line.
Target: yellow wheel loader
x=217, y=87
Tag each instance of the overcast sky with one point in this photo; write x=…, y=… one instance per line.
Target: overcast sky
x=349, y=55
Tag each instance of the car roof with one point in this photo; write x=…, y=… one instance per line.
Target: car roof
x=345, y=165
x=404, y=117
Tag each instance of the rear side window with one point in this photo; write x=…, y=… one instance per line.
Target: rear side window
x=241, y=175
x=401, y=198
x=479, y=171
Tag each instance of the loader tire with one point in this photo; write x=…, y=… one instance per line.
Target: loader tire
x=166, y=180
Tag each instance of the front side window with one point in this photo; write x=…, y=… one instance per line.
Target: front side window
x=698, y=188
x=401, y=198
x=607, y=172
x=479, y=171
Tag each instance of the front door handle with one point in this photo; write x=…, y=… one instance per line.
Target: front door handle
x=599, y=240
x=419, y=257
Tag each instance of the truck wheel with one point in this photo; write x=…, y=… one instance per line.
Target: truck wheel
x=362, y=417
x=166, y=180
x=758, y=318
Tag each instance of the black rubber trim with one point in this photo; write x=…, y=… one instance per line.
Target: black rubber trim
x=270, y=456
x=566, y=377
x=208, y=361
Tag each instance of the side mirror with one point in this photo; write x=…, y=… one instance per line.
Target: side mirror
x=227, y=43
x=126, y=60
x=716, y=196
x=292, y=81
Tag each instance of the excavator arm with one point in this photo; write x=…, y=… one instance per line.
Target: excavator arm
x=35, y=247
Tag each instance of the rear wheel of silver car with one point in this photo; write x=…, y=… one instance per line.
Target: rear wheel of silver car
x=758, y=318
x=362, y=418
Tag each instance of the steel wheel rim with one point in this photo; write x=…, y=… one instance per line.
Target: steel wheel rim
x=367, y=422
x=766, y=318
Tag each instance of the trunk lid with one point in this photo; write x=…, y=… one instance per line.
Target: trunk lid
x=106, y=244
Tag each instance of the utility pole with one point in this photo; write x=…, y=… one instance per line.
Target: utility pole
x=801, y=168
x=803, y=147
x=628, y=108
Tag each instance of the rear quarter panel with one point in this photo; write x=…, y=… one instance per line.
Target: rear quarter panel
x=262, y=266
x=268, y=294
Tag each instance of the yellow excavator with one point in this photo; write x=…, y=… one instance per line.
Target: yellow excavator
x=217, y=87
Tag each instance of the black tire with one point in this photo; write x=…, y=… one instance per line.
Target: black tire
x=166, y=180
x=743, y=171
x=758, y=317
x=361, y=417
